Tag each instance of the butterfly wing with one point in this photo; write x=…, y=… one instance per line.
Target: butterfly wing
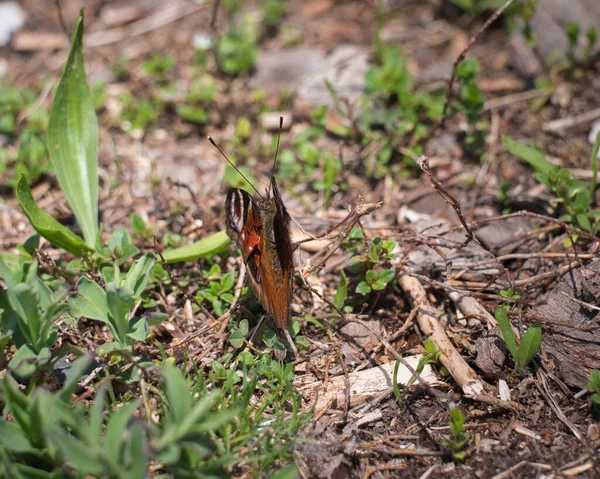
x=261, y=231
x=243, y=224
x=282, y=261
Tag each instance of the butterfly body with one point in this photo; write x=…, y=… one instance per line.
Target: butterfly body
x=260, y=228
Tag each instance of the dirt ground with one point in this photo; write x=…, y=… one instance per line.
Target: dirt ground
x=537, y=425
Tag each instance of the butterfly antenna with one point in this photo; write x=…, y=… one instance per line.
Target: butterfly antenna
x=276, y=150
x=234, y=167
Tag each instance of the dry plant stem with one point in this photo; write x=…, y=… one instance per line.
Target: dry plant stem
x=558, y=126
x=489, y=162
x=23, y=115
x=358, y=210
x=562, y=224
x=462, y=56
x=496, y=103
x=214, y=14
x=346, y=384
x=159, y=19
x=467, y=378
x=45, y=260
x=448, y=198
x=509, y=472
x=61, y=19
x=552, y=403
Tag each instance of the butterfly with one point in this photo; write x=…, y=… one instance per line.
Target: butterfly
x=260, y=228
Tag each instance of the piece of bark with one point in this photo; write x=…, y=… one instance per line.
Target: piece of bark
x=499, y=233
x=363, y=385
x=575, y=352
x=491, y=353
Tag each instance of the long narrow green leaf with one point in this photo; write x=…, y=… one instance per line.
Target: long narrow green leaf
x=528, y=154
x=116, y=430
x=73, y=139
x=58, y=234
x=530, y=344
x=205, y=247
x=506, y=330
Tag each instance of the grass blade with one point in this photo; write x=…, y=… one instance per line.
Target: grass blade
x=73, y=139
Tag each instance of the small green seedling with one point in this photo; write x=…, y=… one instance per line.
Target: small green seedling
x=377, y=276
x=29, y=311
x=573, y=195
x=237, y=50
x=459, y=438
x=219, y=291
x=590, y=51
x=158, y=67
x=113, y=305
x=530, y=342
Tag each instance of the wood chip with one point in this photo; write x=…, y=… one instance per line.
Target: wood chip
x=25, y=41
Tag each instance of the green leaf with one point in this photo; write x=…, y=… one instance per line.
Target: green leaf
x=94, y=428
x=370, y=277
x=227, y=282
x=192, y=114
x=26, y=362
x=78, y=454
x=529, y=155
x=139, y=331
x=205, y=247
x=73, y=139
x=89, y=301
x=363, y=288
x=138, y=276
x=387, y=275
x=120, y=302
x=237, y=339
x=13, y=438
x=58, y=234
x=342, y=292
x=530, y=344
x=121, y=246
x=178, y=395
x=506, y=330
x=25, y=301
x=593, y=384
x=244, y=326
x=136, y=452
x=116, y=430
x=138, y=224
x=156, y=318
